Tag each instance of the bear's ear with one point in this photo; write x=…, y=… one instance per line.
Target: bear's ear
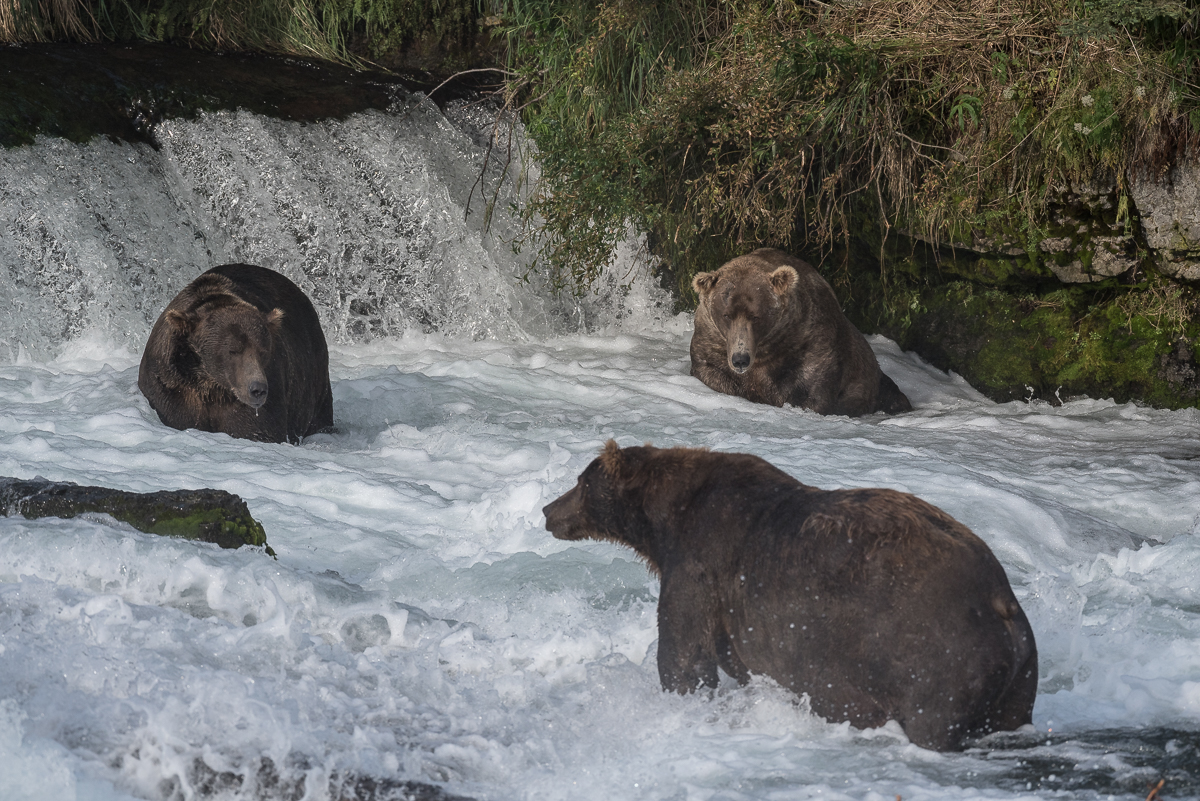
x=612, y=460
x=274, y=317
x=783, y=279
x=704, y=282
x=179, y=321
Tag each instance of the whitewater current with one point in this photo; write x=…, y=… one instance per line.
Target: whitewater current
x=419, y=624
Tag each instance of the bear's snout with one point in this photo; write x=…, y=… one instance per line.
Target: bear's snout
x=563, y=515
x=249, y=381
x=258, y=393
x=740, y=344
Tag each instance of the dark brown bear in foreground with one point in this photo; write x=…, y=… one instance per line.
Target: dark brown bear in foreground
x=876, y=604
x=239, y=350
x=769, y=329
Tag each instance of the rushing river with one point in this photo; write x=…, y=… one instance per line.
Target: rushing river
x=420, y=632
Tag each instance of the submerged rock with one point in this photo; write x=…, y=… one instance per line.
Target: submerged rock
x=207, y=515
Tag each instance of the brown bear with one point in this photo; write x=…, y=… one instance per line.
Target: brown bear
x=239, y=350
x=769, y=329
x=876, y=604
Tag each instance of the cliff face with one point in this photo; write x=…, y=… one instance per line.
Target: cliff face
x=1094, y=231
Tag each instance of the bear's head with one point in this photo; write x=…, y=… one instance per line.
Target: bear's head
x=234, y=343
x=745, y=304
x=605, y=503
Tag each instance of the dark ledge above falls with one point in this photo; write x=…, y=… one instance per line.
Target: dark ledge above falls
x=81, y=91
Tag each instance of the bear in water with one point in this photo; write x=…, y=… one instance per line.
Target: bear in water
x=769, y=329
x=876, y=604
x=239, y=350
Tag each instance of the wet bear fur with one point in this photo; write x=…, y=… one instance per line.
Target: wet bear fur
x=239, y=350
x=876, y=604
x=769, y=329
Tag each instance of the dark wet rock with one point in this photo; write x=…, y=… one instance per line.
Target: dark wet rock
x=80, y=91
x=1102, y=762
x=1178, y=368
x=366, y=788
x=206, y=515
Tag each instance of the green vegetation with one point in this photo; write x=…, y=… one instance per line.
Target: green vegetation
x=754, y=123
x=1121, y=343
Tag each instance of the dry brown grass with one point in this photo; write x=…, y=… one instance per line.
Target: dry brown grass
x=1166, y=307
x=943, y=25
x=46, y=20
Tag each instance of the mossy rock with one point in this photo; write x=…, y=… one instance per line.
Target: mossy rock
x=206, y=515
x=1054, y=345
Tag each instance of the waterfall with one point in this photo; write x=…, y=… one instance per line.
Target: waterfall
x=382, y=218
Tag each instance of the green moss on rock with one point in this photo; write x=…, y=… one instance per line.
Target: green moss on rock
x=206, y=515
x=1124, y=343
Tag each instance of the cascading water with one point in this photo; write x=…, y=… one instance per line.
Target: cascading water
x=387, y=219
x=421, y=634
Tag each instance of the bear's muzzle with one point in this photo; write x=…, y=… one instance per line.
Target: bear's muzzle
x=563, y=515
x=740, y=345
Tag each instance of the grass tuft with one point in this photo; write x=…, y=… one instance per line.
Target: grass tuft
x=354, y=32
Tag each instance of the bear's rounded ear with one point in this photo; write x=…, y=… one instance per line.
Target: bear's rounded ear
x=783, y=279
x=704, y=282
x=611, y=459
x=274, y=317
x=180, y=321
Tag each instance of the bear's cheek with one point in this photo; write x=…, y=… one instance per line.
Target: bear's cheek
x=762, y=325
x=231, y=369
x=214, y=359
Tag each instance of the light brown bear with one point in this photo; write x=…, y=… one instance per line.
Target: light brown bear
x=876, y=604
x=769, y=329
x=239, y=350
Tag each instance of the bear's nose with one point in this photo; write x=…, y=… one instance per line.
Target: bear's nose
x=258, y=393
x=740, y=361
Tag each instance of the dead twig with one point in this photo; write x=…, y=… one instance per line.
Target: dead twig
x=500, y=70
